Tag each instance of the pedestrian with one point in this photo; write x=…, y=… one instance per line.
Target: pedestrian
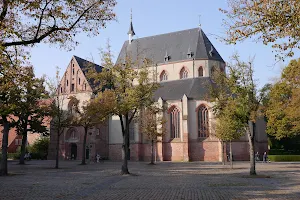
x=98, y=157
x=257, y=156
x=265, y=157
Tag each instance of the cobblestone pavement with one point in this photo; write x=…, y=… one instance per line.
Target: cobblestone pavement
x=195, y=180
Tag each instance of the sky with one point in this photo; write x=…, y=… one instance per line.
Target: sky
x=152, y=17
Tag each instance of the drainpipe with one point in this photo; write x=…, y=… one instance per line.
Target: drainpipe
x=193, y=67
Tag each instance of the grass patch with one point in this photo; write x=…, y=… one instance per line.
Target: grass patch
x=284, y=158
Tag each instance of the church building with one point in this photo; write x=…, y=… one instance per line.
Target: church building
x=184, y=62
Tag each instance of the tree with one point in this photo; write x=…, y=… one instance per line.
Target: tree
x=132, y=88
x=9, y=79
x=237, y=92
x=152, y=125
x=51, y=21
x=282, y=111
x=30, y=110
x=93, y=113
x=61, y=119
x=274, y=22
x=228, y=127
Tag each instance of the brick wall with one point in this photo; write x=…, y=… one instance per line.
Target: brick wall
x=203, y=151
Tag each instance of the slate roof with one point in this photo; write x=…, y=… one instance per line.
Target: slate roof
x=85, y=65
x=175, y=44
x=193, y=88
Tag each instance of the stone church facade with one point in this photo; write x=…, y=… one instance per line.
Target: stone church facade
x=183, y=62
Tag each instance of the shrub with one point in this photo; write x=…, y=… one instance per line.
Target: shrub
x=283, y=152
x=284, y=158
x=39, y=149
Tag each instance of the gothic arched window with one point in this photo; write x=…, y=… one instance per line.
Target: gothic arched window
x=163, y=76
x=175, y=123
x=200, y=71
x=183, y=73
x=203, y=122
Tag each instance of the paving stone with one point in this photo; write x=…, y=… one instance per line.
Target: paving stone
x=166, y=180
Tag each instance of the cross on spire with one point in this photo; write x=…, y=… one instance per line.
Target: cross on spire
x=199, y=21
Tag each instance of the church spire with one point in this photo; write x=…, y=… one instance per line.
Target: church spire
x=131, y=32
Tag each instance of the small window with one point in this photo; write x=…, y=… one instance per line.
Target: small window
x=79, y=81
x=163, y=76
x=72, y=88
x=61, y=90
x=200, y=71
x=183, y=73
x=84, y=86
x=67, y=83
x=73, y=71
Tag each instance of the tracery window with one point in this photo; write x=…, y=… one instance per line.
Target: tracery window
x=203, y=129
x=175, y=123
x=183, y=73
x=163, y=76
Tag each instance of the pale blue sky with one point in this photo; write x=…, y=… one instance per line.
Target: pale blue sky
x=152, y=17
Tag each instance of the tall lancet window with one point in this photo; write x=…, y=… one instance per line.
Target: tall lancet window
x=200, y=71
x=183, y=73
x=163, y=76
x=175, y=123
x=203, y=129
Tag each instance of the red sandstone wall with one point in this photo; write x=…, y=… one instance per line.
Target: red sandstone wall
x=204, y=151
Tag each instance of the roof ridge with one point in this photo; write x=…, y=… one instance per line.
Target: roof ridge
x=165, y=33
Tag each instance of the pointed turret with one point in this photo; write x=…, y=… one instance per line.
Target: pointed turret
x=131, y=32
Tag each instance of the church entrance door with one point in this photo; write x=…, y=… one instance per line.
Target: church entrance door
x=73, y=151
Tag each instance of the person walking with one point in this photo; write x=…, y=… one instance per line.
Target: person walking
x=98, y=157
x=257, y=156
x=265, y=157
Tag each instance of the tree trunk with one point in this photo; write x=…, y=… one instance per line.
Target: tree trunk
x=222, y=153
x=152, y=152
x=23, y=148
x=231, y=160
x=251, y=138
x=3, y=169
x=125, y=147
x=84, y=146
x=57, y=150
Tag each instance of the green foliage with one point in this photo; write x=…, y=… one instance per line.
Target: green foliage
x=283, y=152
x=131, y=88
x=40, y=146
x=284, y=158
x=56, y=22
x=271, y=22
x=235, y=98
x=282, y=112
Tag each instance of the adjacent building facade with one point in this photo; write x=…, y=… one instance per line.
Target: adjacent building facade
x=184, y=62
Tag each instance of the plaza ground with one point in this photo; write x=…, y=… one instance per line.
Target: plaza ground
x=195, y=180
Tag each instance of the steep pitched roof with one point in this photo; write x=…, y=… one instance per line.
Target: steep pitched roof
x=177, y=44
x=193, y=88
x=84, y=66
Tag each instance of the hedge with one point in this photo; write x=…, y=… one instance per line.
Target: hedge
x=284, y=158
x=283, y=152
